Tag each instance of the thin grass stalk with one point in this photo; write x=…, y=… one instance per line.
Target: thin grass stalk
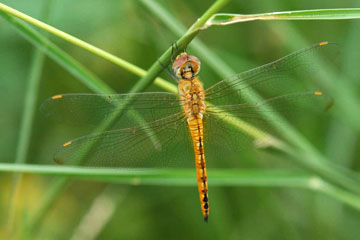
x=27, y=121
x=25, y=133
x=182, y=177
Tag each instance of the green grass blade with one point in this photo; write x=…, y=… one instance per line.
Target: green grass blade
x=30, y=106
x=27, y=120
x=316, y=14
x=25, y=130
x=152, y=176
x=337, y=193
x=185, y=177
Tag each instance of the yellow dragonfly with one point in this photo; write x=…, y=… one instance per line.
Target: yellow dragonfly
x=155, y=129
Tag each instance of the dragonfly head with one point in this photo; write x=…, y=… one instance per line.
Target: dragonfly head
x=186, y=66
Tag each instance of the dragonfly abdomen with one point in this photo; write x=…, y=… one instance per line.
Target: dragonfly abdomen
x=196, y=130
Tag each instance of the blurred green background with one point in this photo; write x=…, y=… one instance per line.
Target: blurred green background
x=95, y=210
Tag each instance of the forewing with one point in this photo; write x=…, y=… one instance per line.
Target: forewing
x=123, y=110
x=292, y=73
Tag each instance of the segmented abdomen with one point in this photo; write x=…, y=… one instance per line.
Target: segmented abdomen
x=196, y=130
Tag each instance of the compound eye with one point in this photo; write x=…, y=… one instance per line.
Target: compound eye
x=177, y=72
x=195, y=67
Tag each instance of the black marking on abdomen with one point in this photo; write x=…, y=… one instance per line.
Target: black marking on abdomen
x=200, y=147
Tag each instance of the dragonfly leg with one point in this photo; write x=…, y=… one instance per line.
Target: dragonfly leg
x=174, y=51
x=168, y=71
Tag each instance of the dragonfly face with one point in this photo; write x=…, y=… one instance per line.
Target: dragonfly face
x=170, y=129
x=186, y=66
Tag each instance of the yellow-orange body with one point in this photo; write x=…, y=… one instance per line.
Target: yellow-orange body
x=192, y=96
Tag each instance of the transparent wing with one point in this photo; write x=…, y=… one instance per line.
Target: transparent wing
x=162, y=143
x=92, y=109
x=238, y=125
x=288, y=74
x=286, y=104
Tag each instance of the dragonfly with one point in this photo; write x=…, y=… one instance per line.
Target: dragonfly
x=163, y=129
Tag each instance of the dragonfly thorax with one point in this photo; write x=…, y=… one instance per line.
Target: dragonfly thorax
x=186, y=66
x=193, y=97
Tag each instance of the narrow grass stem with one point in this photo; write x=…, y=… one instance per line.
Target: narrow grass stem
x=25, y=132
x=29, y=110
x=185, y=177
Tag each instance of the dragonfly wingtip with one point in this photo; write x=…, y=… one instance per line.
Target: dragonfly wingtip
x=323, y=43
x=56, y=97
